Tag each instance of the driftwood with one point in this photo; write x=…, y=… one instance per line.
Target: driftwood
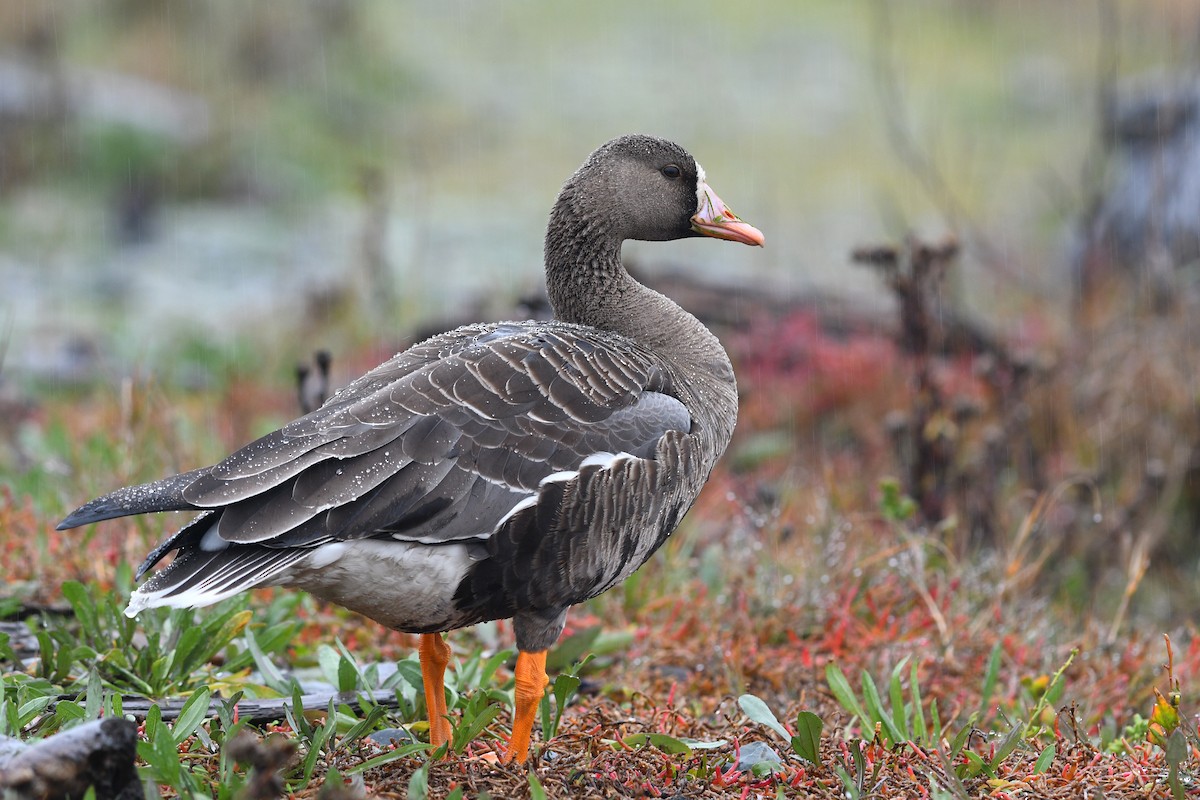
x=99, y=754
x=102, y=753
x=261, y=711
x=20, y=640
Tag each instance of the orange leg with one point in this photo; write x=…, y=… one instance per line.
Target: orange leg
x=435, y=655
x=531, y=685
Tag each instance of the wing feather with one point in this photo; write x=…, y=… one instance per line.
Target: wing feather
x=439, y=444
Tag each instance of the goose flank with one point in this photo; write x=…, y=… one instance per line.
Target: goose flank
x=506, y=470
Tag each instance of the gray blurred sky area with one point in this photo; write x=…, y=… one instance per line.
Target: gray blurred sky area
x=474, y=113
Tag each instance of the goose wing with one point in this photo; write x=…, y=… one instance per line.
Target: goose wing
x=440, y=444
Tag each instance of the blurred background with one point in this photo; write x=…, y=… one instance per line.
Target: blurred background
x=173, y=169
x=200, y=195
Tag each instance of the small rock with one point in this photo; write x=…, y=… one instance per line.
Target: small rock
x=753, y=753
x=387, y=736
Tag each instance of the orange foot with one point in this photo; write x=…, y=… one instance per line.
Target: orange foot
x=435, y=655
x=531, y=685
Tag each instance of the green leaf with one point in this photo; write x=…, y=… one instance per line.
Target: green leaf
x=418, y=784
x=359, y=678
x=228, y=627
x=192, y=715
x=757, y=710
x=404, y=751
x=920, y=730
x=162, y=753
x=807, y=741
x=875, y=706
x=668, y=744
x=845, y=695
x=565, y=686
x=328, y=660
x=896, y=695
x=68, y=713
x=974, y=766
x=991, y=677
x=1176, y=752
x=272, y=676
x=893, y=503
x=317, y=737
x=570, y=649
x=179, y=661
x=471, y=727
x=347, y=675
x=960, y=740
x=848, y=783
x=9, y=607
x=153, y=722
x=536, y=792
x=271, y=640
x=1044, y=760
x=27, y=711
x=368, y=722
x=7, y=653
x=408, y=670
x=489, y=667
x=295, y=714
x=83, y=606
x=1007, y=745
x=702, y=744
x=95, y=695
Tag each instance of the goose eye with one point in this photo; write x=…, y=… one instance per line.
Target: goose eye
x=671, y=171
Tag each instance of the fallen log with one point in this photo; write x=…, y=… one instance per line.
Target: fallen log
x=260, y=711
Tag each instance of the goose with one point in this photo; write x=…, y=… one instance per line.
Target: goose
x=500, y=470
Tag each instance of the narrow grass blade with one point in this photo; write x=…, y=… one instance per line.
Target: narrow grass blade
x=404, y=751
x=1008, y=744
x=875, y=706
x=920, y=730
x=896, y=695
x=536, y=792
x=368, y=722
x=990, y=678
x=418, y=784
x=960, y=739
x=465, y=733
x=272, y=676
x=845, y=695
